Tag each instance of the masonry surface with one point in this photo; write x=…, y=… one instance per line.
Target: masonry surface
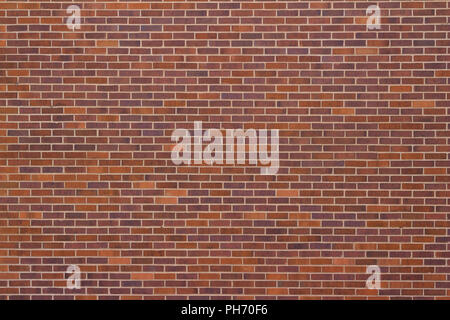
x=86, y=176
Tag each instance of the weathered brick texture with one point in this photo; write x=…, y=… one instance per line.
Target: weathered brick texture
x=86, y=176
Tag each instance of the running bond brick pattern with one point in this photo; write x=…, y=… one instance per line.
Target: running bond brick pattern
x=86, y=118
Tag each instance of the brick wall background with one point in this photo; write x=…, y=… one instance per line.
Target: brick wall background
x=86, y=178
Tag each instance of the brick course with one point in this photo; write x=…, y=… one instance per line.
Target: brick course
x=86, y=177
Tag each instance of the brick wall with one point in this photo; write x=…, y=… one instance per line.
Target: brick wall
x=87, y=179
